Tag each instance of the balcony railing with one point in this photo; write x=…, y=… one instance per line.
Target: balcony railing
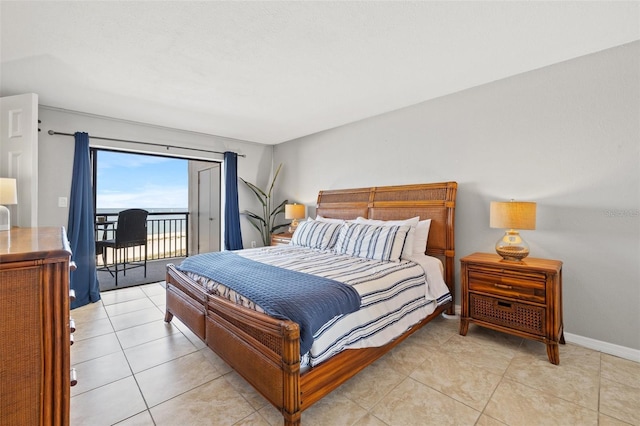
x=167, y=235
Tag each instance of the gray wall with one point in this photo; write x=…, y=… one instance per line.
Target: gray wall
x=566, y=136
x=56, y=157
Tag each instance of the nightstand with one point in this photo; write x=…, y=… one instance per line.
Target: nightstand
x=524, y=299
x=280, y=239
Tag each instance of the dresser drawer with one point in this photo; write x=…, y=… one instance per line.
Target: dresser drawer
x=513, y=315
x=518, y=286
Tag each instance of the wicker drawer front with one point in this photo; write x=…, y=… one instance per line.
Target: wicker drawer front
x=20, y=306
x=530, y=319
x=517, y=287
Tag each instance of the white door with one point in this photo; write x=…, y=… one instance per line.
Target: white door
x=209, y=209
x=19, y=154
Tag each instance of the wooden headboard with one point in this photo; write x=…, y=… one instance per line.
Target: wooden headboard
x=435, y=201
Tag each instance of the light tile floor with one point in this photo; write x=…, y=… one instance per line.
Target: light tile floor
x=135, y=369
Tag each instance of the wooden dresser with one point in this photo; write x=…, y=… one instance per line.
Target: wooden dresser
x=524, y=298
x=35, y=327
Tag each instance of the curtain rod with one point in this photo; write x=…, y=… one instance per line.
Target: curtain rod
x=52, y=132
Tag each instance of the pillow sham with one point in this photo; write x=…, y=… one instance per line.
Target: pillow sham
x=421, y=235
x=408, y=249
x=315, y=234
x=372, y=241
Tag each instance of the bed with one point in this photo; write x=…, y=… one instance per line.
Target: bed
x=266, y=350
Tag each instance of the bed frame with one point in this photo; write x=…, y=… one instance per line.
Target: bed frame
x=266, y=351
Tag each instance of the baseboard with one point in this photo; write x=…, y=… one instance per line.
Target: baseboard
x=597, y=345
x=604, y=347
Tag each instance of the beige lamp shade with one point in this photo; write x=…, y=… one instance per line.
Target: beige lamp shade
x=512, y=215
x=294, y=211
x=8, y=191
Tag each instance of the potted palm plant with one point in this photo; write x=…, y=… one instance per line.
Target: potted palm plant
x=265, y=222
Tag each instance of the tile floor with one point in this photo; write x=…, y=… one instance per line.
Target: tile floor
x=134, y=369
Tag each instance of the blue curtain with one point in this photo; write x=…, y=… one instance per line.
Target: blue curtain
x=84, y=280
x=232, y=234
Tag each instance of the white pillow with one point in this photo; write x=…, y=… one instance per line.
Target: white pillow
x=420, y=236
x=329, y=220
x=372, y=241
x=316, y=234
x=409, y=243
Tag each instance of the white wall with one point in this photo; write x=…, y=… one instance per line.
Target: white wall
x=566, y=136
x=56, y=157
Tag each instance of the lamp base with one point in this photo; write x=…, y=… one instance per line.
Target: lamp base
x=5, y=218
x=512, y=254
x=294, y=225
x=512, y=247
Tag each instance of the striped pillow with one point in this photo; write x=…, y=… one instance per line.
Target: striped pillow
x=316, y=234
x=372, y=242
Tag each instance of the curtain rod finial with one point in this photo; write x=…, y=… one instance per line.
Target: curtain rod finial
x=51, y=132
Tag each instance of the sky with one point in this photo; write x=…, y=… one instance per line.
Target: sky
x=141, y=181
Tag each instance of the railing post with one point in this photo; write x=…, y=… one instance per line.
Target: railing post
x=186, y=249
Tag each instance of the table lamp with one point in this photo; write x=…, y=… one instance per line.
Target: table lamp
x=8, y=195
x=295, y=212
x=512, y=215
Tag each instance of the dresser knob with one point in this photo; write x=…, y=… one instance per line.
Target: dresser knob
x=71, y=340
x=74, y=378
x=72, y=325
x=72, y=295
x=72, y=266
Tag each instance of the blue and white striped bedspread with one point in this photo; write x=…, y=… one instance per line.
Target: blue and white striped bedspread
x=394, y=296
x=309, y=300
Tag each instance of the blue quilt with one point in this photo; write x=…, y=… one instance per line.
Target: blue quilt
x=306, y=299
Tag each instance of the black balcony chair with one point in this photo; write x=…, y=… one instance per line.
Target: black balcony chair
x=130, y=232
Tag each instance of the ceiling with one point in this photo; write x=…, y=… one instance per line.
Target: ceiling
x=269, y=72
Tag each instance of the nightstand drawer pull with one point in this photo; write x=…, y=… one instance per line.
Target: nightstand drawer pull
x=504, y=304
x=507, y=287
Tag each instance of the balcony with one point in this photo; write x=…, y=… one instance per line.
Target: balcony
x=167, y=242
